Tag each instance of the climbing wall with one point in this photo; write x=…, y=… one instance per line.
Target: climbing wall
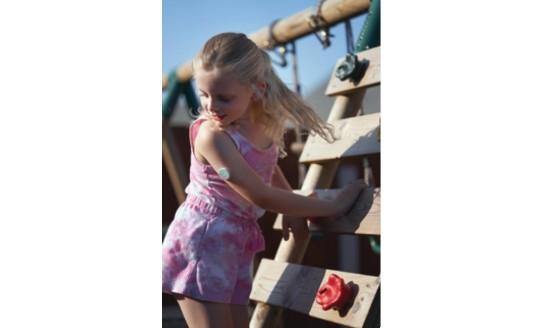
x=283, y=282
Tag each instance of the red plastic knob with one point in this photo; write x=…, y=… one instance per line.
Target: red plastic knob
x=334, y=293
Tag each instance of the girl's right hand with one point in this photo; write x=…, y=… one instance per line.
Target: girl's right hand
x=347, y=196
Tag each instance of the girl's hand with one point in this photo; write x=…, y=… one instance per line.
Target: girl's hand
x=347, y=196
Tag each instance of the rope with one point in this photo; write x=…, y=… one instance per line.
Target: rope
x=318, y=24
x=278, y=48
x=272, y=41
x=349, y=35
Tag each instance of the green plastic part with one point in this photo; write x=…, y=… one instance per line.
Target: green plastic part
x=171, y=95
x=370, y=35
x=174, y=90
x=191, y=98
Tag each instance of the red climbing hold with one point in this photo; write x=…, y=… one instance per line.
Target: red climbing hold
x=334, y=293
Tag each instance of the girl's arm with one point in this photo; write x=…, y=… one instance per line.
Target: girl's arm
x=279, y=180
x=220, y=152
x=296, y=225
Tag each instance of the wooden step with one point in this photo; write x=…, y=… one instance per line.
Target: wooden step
x=363, y=219
x=295, y=286
x=356, y=136
x=371, y=77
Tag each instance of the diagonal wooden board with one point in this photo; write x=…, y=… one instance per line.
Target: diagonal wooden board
x=356, y=136
x=371, y=77
x=173, y=163
x=295, y=286
x=363, y=219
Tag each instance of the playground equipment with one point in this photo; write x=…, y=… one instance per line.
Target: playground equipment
x=283, y=282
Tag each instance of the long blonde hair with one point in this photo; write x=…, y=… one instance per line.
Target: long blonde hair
x=237, y=54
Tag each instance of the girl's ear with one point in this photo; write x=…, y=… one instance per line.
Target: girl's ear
x=259, y=90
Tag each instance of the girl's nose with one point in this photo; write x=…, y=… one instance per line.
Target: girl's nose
x=212, y=106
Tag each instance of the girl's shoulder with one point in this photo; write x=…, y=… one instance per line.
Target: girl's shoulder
x=209, y=135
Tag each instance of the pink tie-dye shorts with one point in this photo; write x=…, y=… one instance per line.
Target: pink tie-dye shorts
x=208, y=251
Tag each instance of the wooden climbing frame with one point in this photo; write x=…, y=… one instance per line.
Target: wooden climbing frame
x=283, y=282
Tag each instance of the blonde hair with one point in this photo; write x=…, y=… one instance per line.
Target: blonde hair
x=237, y=54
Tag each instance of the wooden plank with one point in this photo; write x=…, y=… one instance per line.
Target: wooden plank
x=173, y=162
x=356, y=136
x=363, y=219
x=371, y=77
x=295, y=286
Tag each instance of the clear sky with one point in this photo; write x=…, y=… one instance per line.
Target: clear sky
x=186, y=25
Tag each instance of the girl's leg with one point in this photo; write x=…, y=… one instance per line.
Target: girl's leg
x=205, y=314
x=240, y=315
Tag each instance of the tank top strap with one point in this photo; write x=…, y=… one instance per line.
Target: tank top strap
x=234, y=135
x=195, y=127
x=193, y=132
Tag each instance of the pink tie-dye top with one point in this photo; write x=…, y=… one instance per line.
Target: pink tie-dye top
x=208, y=186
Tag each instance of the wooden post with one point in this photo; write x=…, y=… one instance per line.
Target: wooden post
x=319, y=175
x=174, y=165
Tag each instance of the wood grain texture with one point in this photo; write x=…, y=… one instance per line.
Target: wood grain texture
x=371, y=77
x=363, y=219
x=356, y=136
x=295, y=286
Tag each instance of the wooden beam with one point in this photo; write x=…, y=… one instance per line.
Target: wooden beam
x=279, y=284
x=363, y=219
x=371, y=77
x=294, y=27
x=356, y=136
x=164, y=82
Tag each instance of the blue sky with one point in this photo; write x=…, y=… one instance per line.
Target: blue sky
x=186, y=25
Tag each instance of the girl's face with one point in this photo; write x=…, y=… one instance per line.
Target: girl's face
x=223, y=98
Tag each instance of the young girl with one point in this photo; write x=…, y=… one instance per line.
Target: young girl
x=234, y=178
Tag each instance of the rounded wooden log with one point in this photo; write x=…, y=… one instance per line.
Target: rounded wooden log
x=294, y=27
x=164, y=82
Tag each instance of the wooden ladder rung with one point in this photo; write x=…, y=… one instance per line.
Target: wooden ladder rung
x=371, y=77
x=295, y=286
x=363, y=219
x=356, y=136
